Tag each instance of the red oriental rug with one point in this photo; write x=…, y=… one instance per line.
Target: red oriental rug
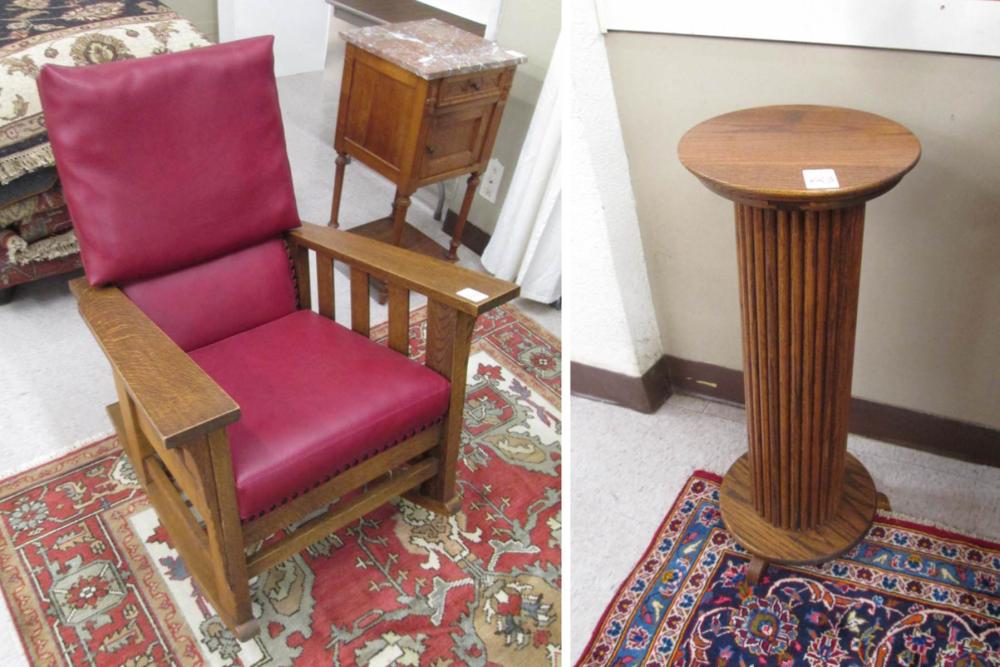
x=91, y=578
x=908, y=594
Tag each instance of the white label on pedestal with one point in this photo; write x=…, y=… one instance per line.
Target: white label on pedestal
x=820, y=179
x=472, y=295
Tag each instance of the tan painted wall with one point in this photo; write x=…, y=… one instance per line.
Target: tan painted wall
x=929, y=316
x=202, y=13
x=531, y=27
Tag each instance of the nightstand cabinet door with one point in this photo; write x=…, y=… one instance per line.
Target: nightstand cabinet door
x=380, y=114
x=455, y=139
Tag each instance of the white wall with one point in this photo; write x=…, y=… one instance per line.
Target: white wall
x=929, y=312
x=300, y=29
x=611, y=314
x=486, y=12
x=530, y=27
x=954, y=26
x=202, y=13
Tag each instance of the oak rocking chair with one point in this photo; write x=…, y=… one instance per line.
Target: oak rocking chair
x=242, y=410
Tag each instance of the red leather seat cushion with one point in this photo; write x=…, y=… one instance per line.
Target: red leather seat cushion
x=172, y=160
x=315, y=398
x=221, y=297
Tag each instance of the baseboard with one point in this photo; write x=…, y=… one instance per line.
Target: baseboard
x=645, y=394
x=879, y=421
x=473, y=238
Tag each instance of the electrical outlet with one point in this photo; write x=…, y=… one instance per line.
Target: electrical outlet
x=490, y=183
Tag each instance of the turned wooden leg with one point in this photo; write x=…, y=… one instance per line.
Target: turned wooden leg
x=755, y=568
x=7, y=294
x=338, y=186
x=399, y=207
x=439, y=207
x=463, y=214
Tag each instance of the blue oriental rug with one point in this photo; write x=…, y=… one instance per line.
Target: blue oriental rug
x=908, y=594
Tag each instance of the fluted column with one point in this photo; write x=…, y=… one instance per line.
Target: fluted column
x=799, y=277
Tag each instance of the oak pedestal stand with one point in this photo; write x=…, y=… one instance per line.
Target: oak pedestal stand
x=800, y=177
x=420, y=102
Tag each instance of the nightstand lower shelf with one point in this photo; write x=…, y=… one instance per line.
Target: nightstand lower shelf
x=412, y=239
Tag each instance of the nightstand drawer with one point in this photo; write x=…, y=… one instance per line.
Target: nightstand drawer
x=468, y=87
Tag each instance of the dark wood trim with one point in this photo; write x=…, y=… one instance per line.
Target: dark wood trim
x=930, y=433
x=706, y=380
x=879, y=421
x=473, y=238
x=909, y=428
x=645, y=394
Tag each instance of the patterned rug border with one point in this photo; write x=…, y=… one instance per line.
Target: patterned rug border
x=55, y=456
x=80, y=447
x=889, y=518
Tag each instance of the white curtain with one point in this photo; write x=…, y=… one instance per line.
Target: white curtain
x=525, y=246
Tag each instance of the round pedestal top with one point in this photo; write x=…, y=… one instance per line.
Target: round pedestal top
x=799, y=156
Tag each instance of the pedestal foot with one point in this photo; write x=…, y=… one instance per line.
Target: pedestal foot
x=755, y=569
x=882, y=502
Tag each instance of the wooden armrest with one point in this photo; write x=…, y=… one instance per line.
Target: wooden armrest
x=439, y=280
x=179, y=400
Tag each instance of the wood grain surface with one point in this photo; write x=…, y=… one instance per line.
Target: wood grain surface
x=435, y=278
x=415, y=132
x=174, y=396
x=842, y=530
x=799, y=275
x=757, y=155
x=797, y=496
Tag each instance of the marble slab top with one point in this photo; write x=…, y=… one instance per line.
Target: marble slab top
x=432, y=49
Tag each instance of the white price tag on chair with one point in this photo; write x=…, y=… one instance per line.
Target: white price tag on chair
x=820, y=179
x=471, y=294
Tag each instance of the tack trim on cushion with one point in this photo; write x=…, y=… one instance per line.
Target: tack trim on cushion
x=354, y=398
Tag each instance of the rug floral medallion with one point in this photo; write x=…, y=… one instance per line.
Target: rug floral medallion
x=91, y=578
x=906, y=595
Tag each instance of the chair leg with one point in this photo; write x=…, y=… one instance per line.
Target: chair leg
x=225, y=539
x=130, y=436
x=449, y=336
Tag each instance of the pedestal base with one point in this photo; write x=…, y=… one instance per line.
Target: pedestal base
x=840, y=532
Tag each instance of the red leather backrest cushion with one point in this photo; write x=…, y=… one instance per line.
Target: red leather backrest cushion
x=216, y=299
x=171, y=160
